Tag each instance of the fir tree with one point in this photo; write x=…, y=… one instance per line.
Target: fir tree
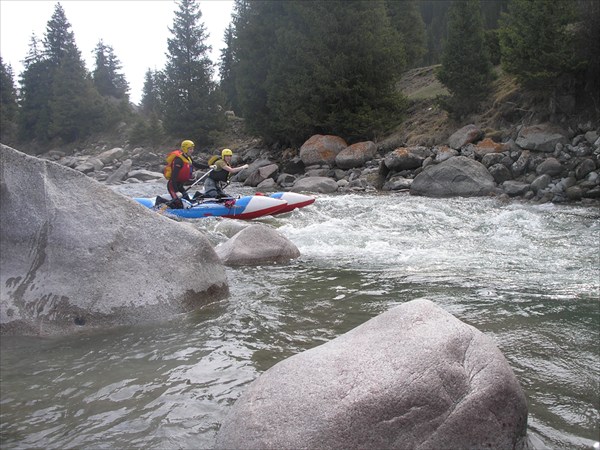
x=58, y=98
x=107, y=76
x=406, y=18
x=435, y=16
x=59, y=40
x=589, y=50
x=229, y=63
x=226, y=74
x=255, y=35
x=318, y=67
x=537, y=40
x=35, y=95
x=466, y=69
x=148, y=128
x=8, y=104
x=188, y=93
x=150, y=104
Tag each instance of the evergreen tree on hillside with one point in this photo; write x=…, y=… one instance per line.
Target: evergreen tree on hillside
x=58, y=98
x=491, y=12
x=188, y=93
x=226, y=63
x=318, y=67
x=151, y=95
x=107, y=76
x=8, y=104
x=406, y=18
x=35, y=95
x=229, y=63
x=537, y=40
x=589, y=50
x=434, y=14
x=435, y=17
x=59, y=40
x=255, y=29
x=466, y=69
x=148, y=128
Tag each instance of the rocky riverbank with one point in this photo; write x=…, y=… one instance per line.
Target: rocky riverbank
x=540, y=163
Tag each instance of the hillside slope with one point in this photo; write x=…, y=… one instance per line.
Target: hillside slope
x=507, y=108
x=425, y=123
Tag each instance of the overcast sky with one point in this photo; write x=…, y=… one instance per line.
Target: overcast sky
x=136, y=30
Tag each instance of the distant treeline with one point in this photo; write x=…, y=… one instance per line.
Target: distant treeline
x=296, y=68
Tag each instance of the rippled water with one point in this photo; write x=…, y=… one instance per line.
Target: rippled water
x=526, y=275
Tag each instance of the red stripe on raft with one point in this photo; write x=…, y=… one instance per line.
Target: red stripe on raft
x=254, y=214
x=288, y=207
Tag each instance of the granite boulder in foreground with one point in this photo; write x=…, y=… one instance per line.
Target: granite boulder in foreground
x=413, y=377
x=75, y=255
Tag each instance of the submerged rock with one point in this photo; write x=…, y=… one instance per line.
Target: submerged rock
x=255, y=245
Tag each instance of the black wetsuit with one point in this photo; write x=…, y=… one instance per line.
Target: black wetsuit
x=174, y=186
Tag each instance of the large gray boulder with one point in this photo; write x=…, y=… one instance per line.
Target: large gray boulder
x=121, y=173
x=255, y=245
x=75, y=255
x=404, y=158
x=321, y=149
x=542, y=137
x=356, y=155
x=261, y=174
x=466, y=135
x=413, y=377
x=112, y=155
x=322, y=185
x=457, y=176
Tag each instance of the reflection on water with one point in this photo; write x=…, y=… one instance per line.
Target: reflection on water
x=528, y=276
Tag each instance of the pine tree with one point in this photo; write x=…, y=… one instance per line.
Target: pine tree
x=466, y=69
x=229, y=64
x=35, y=95
x=58, y=98
x=107, y=76
x=188, y=93
x=435, y=16
x=538, y=43
x=406, y=18
x=148, y=128
x=255, y=29
x=589, y=50
x=151, y=95
x=226, y=74
x=8, y=104
x=318, y=67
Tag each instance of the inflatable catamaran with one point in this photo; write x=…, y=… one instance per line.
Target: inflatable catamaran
x=245, y=208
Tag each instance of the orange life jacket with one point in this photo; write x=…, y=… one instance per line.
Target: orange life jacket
x=185, y=173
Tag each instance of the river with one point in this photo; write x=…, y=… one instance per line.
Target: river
x=526, y=275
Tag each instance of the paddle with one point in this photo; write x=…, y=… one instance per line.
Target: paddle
x=200, y=179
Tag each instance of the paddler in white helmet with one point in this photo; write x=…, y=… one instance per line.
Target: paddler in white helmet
x=220, y=174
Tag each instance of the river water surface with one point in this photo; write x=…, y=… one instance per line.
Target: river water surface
x=526, y=275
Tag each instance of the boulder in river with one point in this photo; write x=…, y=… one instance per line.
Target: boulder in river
x=323, y=185
x=257, y=244
x=76, y=255
x=457, y=176
x=413, y=377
